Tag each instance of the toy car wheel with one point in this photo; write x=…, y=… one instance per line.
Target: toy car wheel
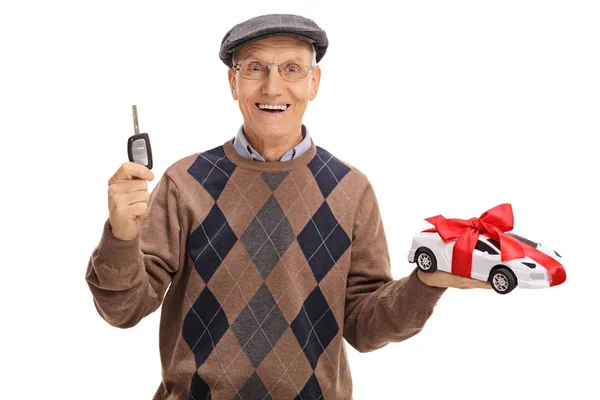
x=502, y=280
x=425, y=260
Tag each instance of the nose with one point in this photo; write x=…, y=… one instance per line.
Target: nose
x=273, y=84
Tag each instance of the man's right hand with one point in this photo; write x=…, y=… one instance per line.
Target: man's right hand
x=128, y=199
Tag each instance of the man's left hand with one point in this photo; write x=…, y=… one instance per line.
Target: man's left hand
x=446, y=280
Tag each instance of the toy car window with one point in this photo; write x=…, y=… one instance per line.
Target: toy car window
x=495, y=243
x=485, y=247
x=524, y=240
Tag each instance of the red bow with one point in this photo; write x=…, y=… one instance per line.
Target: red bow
x=494, y=222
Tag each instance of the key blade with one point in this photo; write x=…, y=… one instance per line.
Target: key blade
x=136, y=127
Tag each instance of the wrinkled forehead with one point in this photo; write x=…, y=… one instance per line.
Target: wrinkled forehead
x=277, y=47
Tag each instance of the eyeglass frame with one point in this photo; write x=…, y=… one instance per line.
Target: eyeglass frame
x=237, y=68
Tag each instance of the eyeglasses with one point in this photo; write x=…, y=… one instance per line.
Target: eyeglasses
x=290, y=71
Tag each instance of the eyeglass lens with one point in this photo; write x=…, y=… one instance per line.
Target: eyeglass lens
x=257, y=70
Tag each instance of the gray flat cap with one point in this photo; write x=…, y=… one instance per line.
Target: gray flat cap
x=265, y=26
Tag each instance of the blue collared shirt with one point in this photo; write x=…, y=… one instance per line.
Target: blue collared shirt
x=245, y=149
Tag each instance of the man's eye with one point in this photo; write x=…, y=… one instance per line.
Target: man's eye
x=292, y=68
x=255, y=67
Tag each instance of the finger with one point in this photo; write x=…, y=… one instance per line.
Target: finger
x=464, y=281
x=481, y=284
x=139, y=209
x=130, y=170
x=469, y=283
x=135, y=197
x=117, y=187
x=476, y=284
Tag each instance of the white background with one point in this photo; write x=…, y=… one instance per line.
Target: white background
x=449, y=107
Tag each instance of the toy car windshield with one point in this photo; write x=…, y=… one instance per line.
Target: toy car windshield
x=520, y=238
x=524, y=240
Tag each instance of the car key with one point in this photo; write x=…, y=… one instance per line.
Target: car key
x=138, y=145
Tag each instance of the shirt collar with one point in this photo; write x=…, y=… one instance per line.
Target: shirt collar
x=245, y=149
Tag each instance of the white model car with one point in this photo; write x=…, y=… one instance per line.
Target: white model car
x=431, y=253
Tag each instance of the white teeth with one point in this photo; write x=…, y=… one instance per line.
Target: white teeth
x=281, y=107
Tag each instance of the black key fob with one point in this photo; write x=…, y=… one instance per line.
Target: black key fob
x=138, y=149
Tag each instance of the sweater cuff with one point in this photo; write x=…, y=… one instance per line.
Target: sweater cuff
x=117, y=253
x=426, y=296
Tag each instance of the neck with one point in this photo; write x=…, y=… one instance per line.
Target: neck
x=272, y=149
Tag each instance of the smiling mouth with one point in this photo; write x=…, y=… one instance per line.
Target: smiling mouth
x=273, y=109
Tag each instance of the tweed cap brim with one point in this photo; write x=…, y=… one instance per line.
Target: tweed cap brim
x=270, y=25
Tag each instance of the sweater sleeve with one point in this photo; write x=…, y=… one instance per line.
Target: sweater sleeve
x=128, y=279
x=378, y=309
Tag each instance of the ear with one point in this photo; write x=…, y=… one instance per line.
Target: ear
x=232, y=83
x=314, y=82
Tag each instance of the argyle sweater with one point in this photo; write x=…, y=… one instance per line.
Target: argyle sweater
x=270, y=266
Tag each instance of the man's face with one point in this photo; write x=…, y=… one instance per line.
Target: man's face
x=273, y=89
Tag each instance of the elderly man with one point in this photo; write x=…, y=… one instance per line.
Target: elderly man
x=273, y=248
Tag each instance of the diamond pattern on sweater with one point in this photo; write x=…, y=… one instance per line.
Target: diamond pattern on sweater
x=234, y=284
x=274, y=179
x=253, y=389
x=327, y=170
x=315, y=326
x=341, y=206
x=210, y=243
x=299, y=197
x=268, y=236
x=260, y=326
x=212, y=170
x=311, y=390
x=286, y=361
x=199, y=389
x=204, y=326
x=218, y=371
x=323, y=241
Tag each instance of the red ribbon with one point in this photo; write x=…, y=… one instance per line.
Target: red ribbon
x=494, y=222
